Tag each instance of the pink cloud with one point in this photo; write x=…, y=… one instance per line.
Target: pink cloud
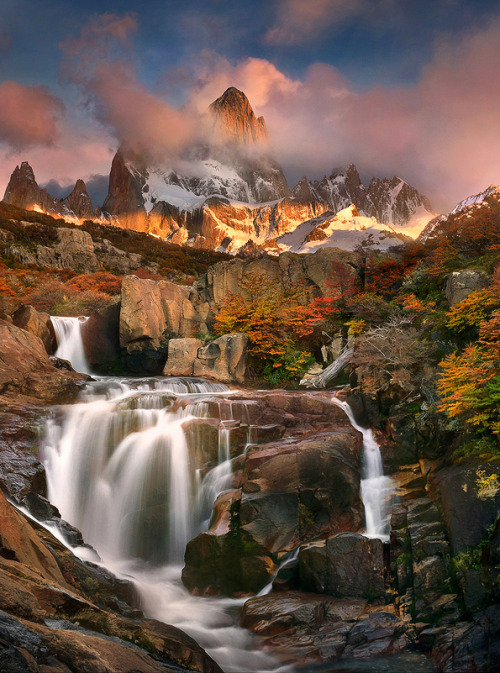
x=29, y=115
x=441, y=134
x=101, y=63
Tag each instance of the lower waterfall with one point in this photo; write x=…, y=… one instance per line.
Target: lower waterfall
x=375, y=487
x=119, y=468
x=69, y=342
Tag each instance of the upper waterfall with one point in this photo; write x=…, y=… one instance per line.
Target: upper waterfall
x=69, y=342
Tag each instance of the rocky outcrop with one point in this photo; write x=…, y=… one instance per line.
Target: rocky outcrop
x=279, y=502
x=235, y=121
x=78, y=202
x=74, y=249
x=461, y=283
x=26, y=371
x=125, y=189
x=318, y=272
x=151, y=313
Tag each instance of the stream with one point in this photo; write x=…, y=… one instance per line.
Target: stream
x=119, y=469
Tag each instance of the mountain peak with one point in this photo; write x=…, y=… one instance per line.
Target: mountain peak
x=235, y=120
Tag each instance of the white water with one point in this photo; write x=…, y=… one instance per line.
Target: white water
x=375, y=487
x=69, y=342
x=118, y=468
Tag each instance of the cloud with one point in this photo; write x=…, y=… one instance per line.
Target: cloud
x=299, y=22
x=29, y=115
x=101, y=63
x=440, y=134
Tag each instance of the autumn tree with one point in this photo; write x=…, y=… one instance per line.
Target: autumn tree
x=272, y=318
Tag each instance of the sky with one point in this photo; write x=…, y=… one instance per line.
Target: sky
x=398, y=87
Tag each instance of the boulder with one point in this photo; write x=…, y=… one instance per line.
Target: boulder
x=279, y=505
x=8, y=306
x=461, y=283
x=152, y=312
x=182, y=354
x=224, y=359
x=347, y=564
x=25, y=368
x=28, y=318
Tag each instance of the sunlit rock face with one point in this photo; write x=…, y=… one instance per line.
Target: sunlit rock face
x=234, y=119
x=23, y=191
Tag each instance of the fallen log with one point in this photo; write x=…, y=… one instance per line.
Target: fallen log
x=330, y=373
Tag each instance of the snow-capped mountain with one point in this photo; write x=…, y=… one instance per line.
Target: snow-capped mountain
x=346, y=229
x=229, y=192
x=475, y=199
x=391, y=201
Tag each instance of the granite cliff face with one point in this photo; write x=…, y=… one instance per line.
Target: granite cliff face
x=23, y=191
x=235, y=121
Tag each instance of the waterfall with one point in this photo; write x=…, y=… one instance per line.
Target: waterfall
x=69, y=342
x=119, y=469
x=375, y=487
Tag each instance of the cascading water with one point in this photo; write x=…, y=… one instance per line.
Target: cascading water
x=118, y=468
x=375, y=487
x=69, y=342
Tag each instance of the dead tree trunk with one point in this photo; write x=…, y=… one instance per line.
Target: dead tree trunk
x=327, y=375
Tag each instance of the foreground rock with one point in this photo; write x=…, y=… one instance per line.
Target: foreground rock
x=280, y=502
x=26, y=371
x=59, y=614
x=311, y=628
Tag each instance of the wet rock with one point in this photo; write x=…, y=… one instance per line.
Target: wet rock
x=20, y=469
x=100, y=336
x=470, y=503
x=347, y=564
x=229, y=564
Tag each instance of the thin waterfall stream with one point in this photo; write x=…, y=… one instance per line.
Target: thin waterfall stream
x=375, y=486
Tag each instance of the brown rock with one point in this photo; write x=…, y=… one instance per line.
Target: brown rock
x=29, y=319
x=224, y=359
x=100, y=335
x=181, y=356
x=347, y=564
x=25, y=368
